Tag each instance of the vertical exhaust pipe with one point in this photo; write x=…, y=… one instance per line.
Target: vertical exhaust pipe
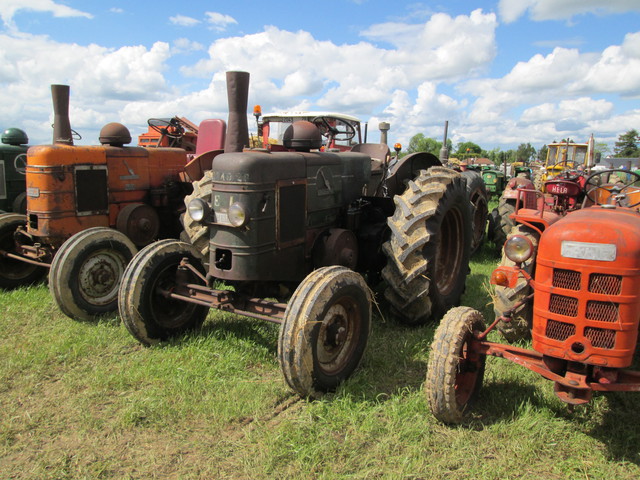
x=444, y=151
x=237, y=127
x=61, y=125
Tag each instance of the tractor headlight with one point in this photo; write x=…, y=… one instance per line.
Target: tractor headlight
x=198, y=209
x=518, y=248
x=237, y=215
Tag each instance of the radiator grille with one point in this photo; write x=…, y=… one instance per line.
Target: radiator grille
x=567, y=306
x=605, y=284
x=600, y=338
x=559, y=330
x=568, y=279
x=602, y=311
x=3, y=183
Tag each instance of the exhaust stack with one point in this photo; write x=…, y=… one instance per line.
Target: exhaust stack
x=237, y=127
x=61, y=124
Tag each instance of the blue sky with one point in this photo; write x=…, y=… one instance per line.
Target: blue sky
x=502, y=72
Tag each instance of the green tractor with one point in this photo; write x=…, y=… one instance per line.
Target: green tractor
x=13, y=161
x=494, y=180
x=302, y=238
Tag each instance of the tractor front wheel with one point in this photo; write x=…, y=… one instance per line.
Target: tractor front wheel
x=86, y=272
x=325, y=330
x=428, y=253
x=146, y=308
x=456, y=369
x=15, y=273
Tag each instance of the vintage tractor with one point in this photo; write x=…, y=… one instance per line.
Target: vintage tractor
x=89, y=209
x=319, y=228
x=175, y=132
x=494, y=179
x=563, y=194
x=13, y=160
x=562, y=156
x=585, y=302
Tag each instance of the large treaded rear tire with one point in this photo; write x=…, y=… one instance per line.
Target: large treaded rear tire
x=194, y=232
x=479, y=199
x=506, y=298
x=428, y=252
x=455, y=370
x=503, y=223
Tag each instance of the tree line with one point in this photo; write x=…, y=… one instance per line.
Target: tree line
x=627, y=146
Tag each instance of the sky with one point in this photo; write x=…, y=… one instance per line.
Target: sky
x=502, y=72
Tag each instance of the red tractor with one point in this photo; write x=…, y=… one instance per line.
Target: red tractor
x=585, y=306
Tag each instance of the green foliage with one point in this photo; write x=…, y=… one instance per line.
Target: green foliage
x=627, y=145
x=420, y=143
x=467, y=149
x=82, y=400
x=525, y=153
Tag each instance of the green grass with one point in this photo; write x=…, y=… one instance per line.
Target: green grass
x=81, y=400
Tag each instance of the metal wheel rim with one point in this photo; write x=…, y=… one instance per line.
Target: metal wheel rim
x=99, y=277
x=338, y=334
x=168, y=312
x=468, y=369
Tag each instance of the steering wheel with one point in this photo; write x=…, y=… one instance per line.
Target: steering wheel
x=20, y=163
x=327, y=130
x=617, y=190
x=168, y=128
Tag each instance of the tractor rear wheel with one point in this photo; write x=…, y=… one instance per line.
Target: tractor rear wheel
x=428, y=252
x=195, y=232
x=145, y=307
x=86, y=272
x=325, y=330
x=477, y=191
x=15, y=273
x=507, y=298
x=502, y=222
x=455, y=370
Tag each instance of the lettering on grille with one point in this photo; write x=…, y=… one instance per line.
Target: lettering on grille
x=559, y=330
x=602, y=311
x=605, y=284
x=568, y=279
x=567, y=306
x=600, y=338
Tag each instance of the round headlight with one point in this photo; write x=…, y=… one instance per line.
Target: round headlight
x=198, y=209
x=518, y=248
x=237, y=215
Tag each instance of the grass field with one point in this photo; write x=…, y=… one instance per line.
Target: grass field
x=86, y=401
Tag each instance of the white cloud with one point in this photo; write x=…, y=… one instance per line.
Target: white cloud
x=8, y=9
x=184, y=21
x=219, y=21
x=539, y=10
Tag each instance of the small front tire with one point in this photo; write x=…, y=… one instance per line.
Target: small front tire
x=146, y=310
x=455, y=370
x=325, y=330
x=86, y=272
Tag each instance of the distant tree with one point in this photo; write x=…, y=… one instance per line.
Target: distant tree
x=542, y=154
x=494, y=155
x=468, y=149
x=627, y=145
x=420, y=143
x=602, y=148
x=525, y=153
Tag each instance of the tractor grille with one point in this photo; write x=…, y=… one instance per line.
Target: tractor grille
x=605, y=284
x=600, y=338
x=559, y=330
x=602, y=311
x=567, y=279
x=562, y=305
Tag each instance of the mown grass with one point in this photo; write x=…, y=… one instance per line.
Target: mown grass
x=82, y=400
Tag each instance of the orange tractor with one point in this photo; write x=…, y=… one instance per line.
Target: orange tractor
x=584, y=303
x=89, y=208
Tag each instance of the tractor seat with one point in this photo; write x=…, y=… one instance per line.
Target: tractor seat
x=379, y=153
